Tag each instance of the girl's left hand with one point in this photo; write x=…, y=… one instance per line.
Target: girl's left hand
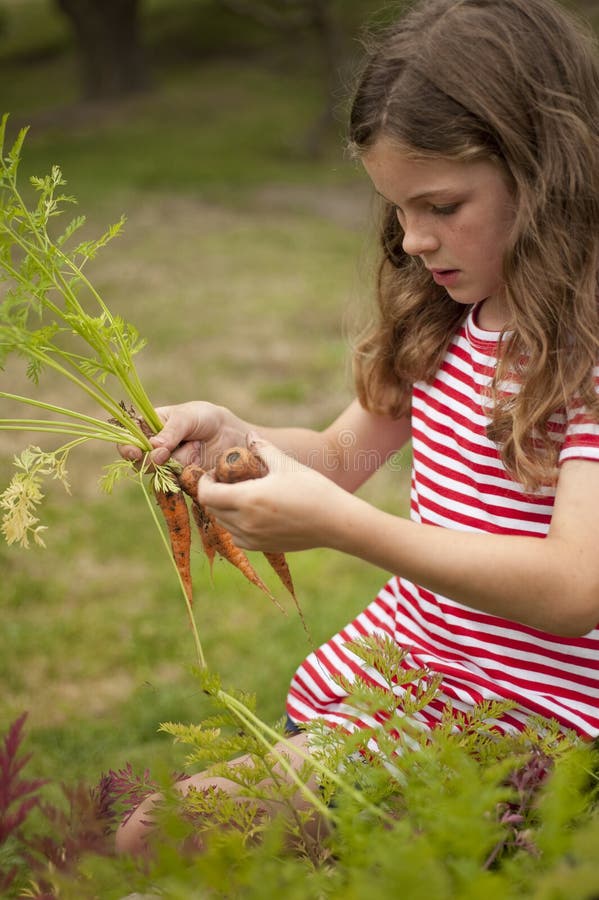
x=291, y=508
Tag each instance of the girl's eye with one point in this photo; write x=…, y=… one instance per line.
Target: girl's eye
x=447, y=210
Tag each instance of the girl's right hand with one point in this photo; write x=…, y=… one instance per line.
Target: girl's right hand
x=194, y=432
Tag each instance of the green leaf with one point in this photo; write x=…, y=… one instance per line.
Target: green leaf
x=11, y=162
x=115, y=472
x=73, y=226
x=89, y=249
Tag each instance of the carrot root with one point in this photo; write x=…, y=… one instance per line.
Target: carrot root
x=176, y=515
x=201, y=520
x=279, y=564
x=242, y=464
x=188, y=480
x=238, y=464
x=215, y=538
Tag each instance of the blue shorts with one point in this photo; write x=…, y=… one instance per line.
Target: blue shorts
x=292, y=728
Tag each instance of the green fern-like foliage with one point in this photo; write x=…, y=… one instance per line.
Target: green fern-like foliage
x=455, y=814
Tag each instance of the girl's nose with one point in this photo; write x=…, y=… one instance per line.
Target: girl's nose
x=418, y=239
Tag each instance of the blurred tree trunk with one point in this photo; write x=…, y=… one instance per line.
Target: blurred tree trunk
x=109, y=46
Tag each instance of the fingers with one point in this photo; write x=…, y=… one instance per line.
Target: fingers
x=217, y=496
x=242, y=498
x=187, y=426
x=161, y=454
x=186, y=429
x=275, y=459
x=221, y=496
x=173, y=440
x=134, y=454
x=173, y=432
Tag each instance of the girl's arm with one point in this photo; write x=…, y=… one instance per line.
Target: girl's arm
x=348, y=452
x=548, y=583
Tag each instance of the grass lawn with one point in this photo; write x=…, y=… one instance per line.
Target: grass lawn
x=242, y=263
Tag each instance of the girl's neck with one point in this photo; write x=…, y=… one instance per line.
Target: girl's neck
x=492, y=314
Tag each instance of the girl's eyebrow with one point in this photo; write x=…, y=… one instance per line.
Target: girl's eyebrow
x=434, y=192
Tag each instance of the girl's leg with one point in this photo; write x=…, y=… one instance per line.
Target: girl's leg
x=132, y=836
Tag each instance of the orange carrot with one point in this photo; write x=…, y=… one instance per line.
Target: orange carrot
x=219, y=538
x=279, y=564
x=176, y=516
x=238, y=464
x=241, y=464
x=215, y=538
x=203, y=523
x=188, y=480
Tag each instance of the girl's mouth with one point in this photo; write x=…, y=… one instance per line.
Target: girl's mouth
x=445, y=277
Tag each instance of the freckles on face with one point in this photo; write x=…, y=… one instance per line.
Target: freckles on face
x=456, y=216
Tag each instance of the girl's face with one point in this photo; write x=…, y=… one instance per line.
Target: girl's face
x=456, y=216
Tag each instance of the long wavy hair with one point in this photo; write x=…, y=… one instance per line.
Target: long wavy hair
x=515, y=81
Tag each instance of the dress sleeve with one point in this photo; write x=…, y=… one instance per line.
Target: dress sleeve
x=582, y=432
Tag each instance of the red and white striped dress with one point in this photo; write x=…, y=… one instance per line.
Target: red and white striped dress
x=459, y=482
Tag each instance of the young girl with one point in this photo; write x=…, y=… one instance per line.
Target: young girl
x=477, y=122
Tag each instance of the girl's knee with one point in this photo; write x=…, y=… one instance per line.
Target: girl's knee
x=132, y=834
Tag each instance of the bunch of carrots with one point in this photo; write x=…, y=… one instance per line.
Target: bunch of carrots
x=47, y=275
x=235, y=464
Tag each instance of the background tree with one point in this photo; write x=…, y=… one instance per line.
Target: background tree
x=109, y=41
x=109, y=45
x=108, y=34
